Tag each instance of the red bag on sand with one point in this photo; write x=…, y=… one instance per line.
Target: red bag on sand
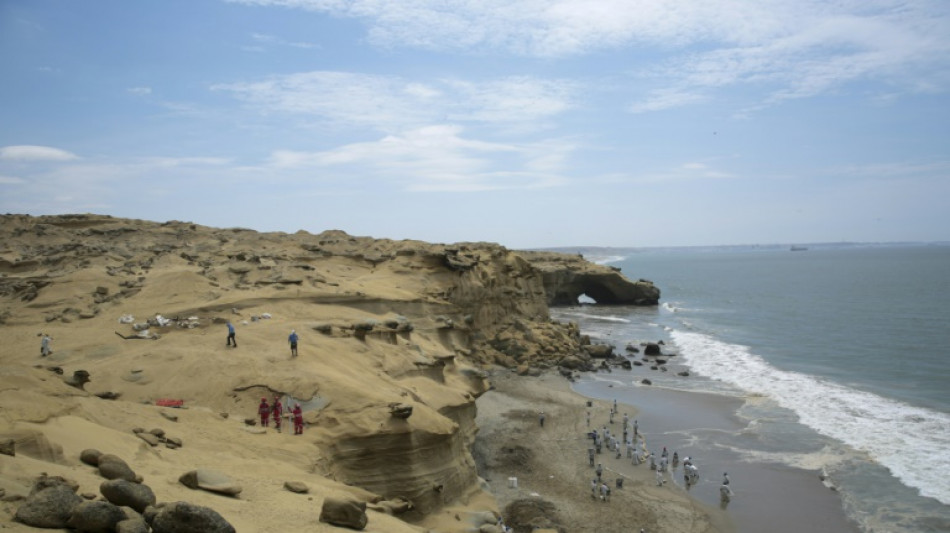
x=168, y=402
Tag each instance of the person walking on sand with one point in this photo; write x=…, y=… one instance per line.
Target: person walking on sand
x=298, y=420
x=588, y=418
x=232, y=340
x=593, y=489
x=604, y=492
x=590, y=455
x=264, y=410
x=725, y=478
x=541, y=418
x=659, y=479
x=293, y=342
x=277, y=409
x=599, y=471
x=44, y=345
x=635, y=429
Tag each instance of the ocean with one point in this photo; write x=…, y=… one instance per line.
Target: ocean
x=840, y=355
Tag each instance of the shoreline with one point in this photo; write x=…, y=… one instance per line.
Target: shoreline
x=767, y=496
x=550, y=463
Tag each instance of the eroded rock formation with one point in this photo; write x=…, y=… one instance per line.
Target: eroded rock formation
x=383, y=323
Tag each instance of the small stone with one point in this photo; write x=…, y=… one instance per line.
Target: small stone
x=296, y=486
x=151, y=439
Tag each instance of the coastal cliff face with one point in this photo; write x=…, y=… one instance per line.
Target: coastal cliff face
x=385, y=327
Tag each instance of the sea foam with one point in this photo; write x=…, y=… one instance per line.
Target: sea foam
x=912, y=442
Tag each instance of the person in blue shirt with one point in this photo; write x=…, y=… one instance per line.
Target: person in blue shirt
x=293, y=342
x=231, y=337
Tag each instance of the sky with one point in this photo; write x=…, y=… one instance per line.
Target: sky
x=529, y=123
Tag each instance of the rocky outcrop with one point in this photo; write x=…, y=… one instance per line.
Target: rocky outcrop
x=566, y=277
x=403, y=431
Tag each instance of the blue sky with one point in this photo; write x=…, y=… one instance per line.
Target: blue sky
x=524, y=122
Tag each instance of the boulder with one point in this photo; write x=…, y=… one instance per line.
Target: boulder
x=125, y=493
x=646, y=381
x=132, y=525
x=344, y=513
x=652, y=348
x=684, y=373
x=211, y=481
x=49, y=507
x=113, y=467
x=78, y=379
x=96, y=517
x=600, y=351
x=8, y=447
x=573, y=362
x=183, y=517
x=90, y=456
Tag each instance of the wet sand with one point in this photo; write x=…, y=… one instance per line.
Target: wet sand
x=767, y=496
x=552, y=470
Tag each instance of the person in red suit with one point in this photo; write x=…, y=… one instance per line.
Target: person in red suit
x=264, y=410
x=298, y=420
x=277, y=409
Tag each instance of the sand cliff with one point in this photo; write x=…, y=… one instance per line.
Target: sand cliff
x=382, y=324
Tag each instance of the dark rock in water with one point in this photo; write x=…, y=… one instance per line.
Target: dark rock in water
x=632, y=349
x=127, y=494
x=344, y=513
x=183, y=517
x=684, y=373
x=646, y=381
x=661, y=361
x=90, y=456
x=637, y=363
x=652, y=349
x=600, y=351
x=654, y=367
x=96, y=517
x=626, y=365
x=50, y=506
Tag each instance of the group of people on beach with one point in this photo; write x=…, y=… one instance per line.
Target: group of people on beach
x=636, y=450
x=276, y=410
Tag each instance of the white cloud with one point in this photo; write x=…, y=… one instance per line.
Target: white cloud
x=788, y=49
x=26, y=152
x=436, y=158
x=393, y=104
x=140, y=91
x=274, y=40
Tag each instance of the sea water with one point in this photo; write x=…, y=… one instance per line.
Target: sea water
x=841, y=354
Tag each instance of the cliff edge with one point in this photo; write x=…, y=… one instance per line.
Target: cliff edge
x=394, y=337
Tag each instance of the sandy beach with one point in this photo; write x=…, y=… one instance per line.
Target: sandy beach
x=552, y=470
x=550, y=463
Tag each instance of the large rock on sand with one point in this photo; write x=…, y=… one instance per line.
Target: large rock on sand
x=183, y=517
x=344, y=513
x=49, y=505
x=96, y=517
x=210, y=480
x=127, y=494
x=114, y=467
